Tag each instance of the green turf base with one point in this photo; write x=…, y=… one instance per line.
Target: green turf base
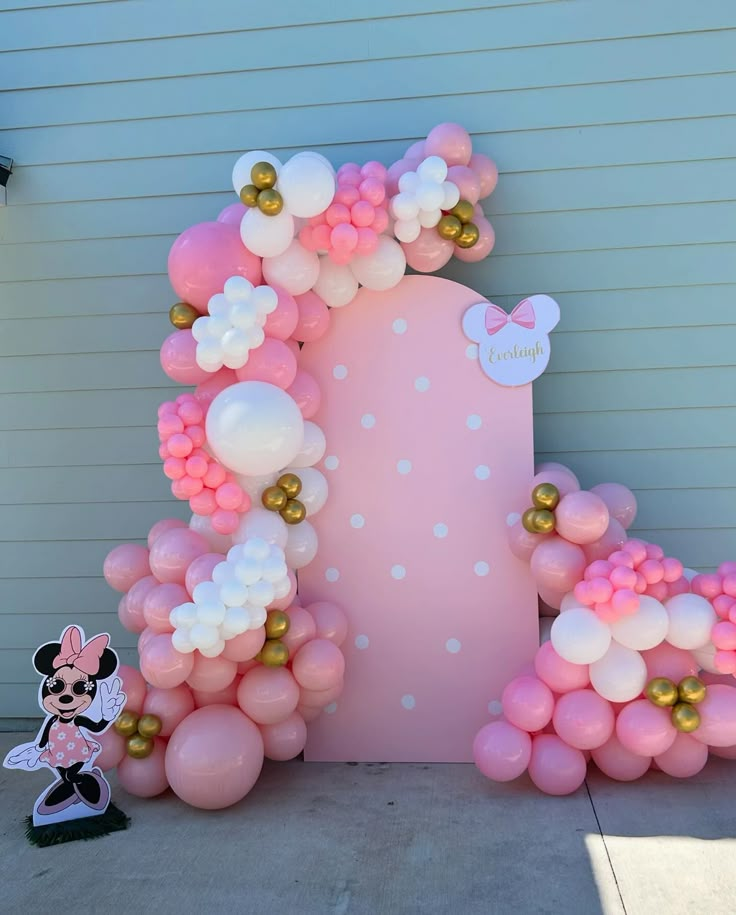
x=112, y=820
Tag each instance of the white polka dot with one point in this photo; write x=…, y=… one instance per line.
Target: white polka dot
x=404, y=466
x=332, y=574
x=331, y=708
x=332, y=462
x=362, y=641
x=399, y=326
x=398, y=572
x=440, y=530
x=367, y=420
x=481, y=568
x=512, y=518
x=482, y=472
x=453, y=646
x=495, y=707
x=340, y=372
x=408, y=701
x=471, y=350
x=473, y=421
x=421, y=383
x=357, y=521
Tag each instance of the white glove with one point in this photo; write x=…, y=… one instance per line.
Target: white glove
x=26, y=756
x=111, y=699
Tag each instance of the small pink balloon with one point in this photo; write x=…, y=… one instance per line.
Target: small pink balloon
x=268, y=694
x=308, y=713
x=201, y=569
x=615, y=761
x=583, y=719
x=233, y=215
x=717, y=717
x=145, y=777
x=320, y=698
x=466, y=181
x=171, y=706
x=450, y=142
x=428, y=252
x=560, y=675
x=162, y=665
x=214, y=757
x=286, y=739
x=487, y=172
x=613, y=539
x=125, y=565
x=178, y=358
x=581, y=517
x=305, y=391
x=302, y=629
x=226, y=696
x=620, y=500
x=161, y=527
x=130, y=611
x=667, y=661
x=282, y=322
x=318, y=665
x=159, y=603
x=206, y=391
x=174, y=552
x=272, y=362
x=528, y=703
x=114, y=748
x=330, y=620
x=134, y=687
x=555, y=767
x=482, y=248
x=313, y=320
x=557, y=564
x=685, y=757
x=502, y=751
x=245, y=647
x=209, y=675
x=522, y=543
x=645, y=729
x=564, y=480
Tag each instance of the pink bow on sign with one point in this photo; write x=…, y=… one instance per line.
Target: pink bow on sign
x=523, y=315
x=72, y=654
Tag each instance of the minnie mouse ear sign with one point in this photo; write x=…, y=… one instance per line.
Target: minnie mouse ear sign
x=513, y=349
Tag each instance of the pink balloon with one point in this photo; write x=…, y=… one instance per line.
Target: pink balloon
x=161, y=527
x=134, y=687
x=170, y=705
x=286, y=739
x=645, y=729
x=113, y=749
x=178, y=358
x=685, y=757
x=528, y=703
x=273, y=362
x=487, y=173
x=716, y=679
x=245, y=647
x=282, y=322
x=144, y=638
x=209, y=675
x=581, y=517
x=204, y=256
x=560, y=675
x=615, y=761
x=302, y=628
x=145, y=777
x=502, y=751
x=482, y=248
x=320, y=698
x=551, y=601
x=555, y=466
x=557, y=564
x=620, y=500
x=522, y=543
x=417, y=150
x=318, y=665
x=130, y=610
x=125, y=565
x=467, y=182
x=583, y=719
x=313, y=320
x=717, y=717
x=305, y=391
x=162, y=665
x=174, y=552
x=233, y=215
x=667, y=661
x=214, y=757
x=395, y=172
x=206, y=391
x=268, y=694
x=564, y=480
x=201, y=569
x=245, y=666
x=308, y=713
x=159, y=603
x=450, y=142
x=330, y=620
x=555, y=767
x=613, y=539
x=226, y=696
x=428, y=252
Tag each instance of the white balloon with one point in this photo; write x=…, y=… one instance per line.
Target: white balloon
x=282, y=587
x=313, y=448
x=314, y=489
x=307, y=185
x=203, y=636
x=267, y=236
x=316, y=155
x=257, y=548
x=213, y=650
x=691, y=619
x=688, y=574
x=430, y=196
x=261, y=593
x=450, y=195
x=184, y=616
x=545, y=629
x=254, y=485
x=242, y=168
x=579, y=636
x=301, y=545
x=296, y=270
x=409, y=182
x=236, y=289
x=705, y=657
x=428, y=219
x=254, y=428
x=248, y=571
x=644, y=629
x=569, y=601
x=211, y=613
x=384, y=268
x=407, y=230
x=434, y=169
x=336, y=284
x=404, y=206
x=274, y=569
x=620, y=675
x=237, y=621
x=181, y=641
x=264, y=524
x=233, y=593
x=220, y=543
x=207, y=591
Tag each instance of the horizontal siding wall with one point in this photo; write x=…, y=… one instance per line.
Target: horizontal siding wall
x=615, y=135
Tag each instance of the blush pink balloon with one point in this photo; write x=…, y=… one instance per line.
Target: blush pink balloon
x=178, y=358
x=717, y=717
x=450, y=142
x=555, y=767
x=268, y=694
x=615, y=761
x=551, y=600
x=467, y=182
x=206, y=391
x=204, y=256
x=557, y=467
x=245, y=666
x=159, y=603
x=134, y=687
x=162, y=665
x=528, y=703
x=395, y=171
x=620, y=500
x=201, y=569
x=428, y=252
x=214, y=757
x=302, y=629
x=161, y=527
x=170, y=705
x=130, y=611
x=318, y=665
x=282, y=603
x=114, y=748
x=313, y=320
x=305, y=391
x=645, y=729
x=226, y=696
x=565, y=481
x=125, y=565
x=245, y=647
x=559, y=675
x=581, y=517
x=145, y=777
x=502, y=751
x=233, y=215
x=285, y=739
x=667, y=661
x=282, y=322
x=613, y=539
x=685, y=757
x=583, y=719
x=482, y=248
x=487, y=172
x=320, y=698
x=144, y=638
x=557, y=564
x=174, y=552
x=272, y=362
x=209, y=675
x=330, y=620
x=522, y=543
x=308, y=713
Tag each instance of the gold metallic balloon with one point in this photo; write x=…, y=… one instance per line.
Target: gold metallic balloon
x=290, y=483
x=263, y=175
x=470, y=236
x=528, y=519
x=546, y=495
x=270, y=202
x=274, y=653
x=543, y=521
x=661, y=691
x=450, y=227
x=149, y=725
x=691, y=690
x=463, y=209
x=293, y=512
x=685, y=717
x=127, y=724
x=139, y=747
x=182, y=315
x=277, y=624
x=274, y=498
x=249, y=195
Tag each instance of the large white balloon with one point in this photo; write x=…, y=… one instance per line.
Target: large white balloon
x=620, y=675
x=202, y=524
x=254, y=428
x=314, y=489
x=383, y=268
x=301, y=545
x=579, y=636
x=307, y=185
x=644, y=629
x=296, y=270
x=267, y=236
x=569, y=601
x=262, y=524
x=335, y=284
x=313, y=447
x=242, y=168
x=691, y=620
x=254, y=485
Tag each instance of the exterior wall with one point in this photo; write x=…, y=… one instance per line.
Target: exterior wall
x=615, y=137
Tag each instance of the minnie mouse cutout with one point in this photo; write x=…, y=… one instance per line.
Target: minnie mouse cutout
x=77, y=679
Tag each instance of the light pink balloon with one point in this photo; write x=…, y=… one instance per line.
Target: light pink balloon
x=160, y=527
x=318, y=665
x=645, y=729
x=581, y=517
x=206, y=391
x=302, y=628
x=564, y=480
x=201, y=569
x=113, y=749
x=134, y=687
x=555, y=767
x=308, y=713
x=125, y=565
x=613, y=539
x=583, y=719
x=159, y=603
x=557, y=467
x=667, y=661
x=226, y=696
x=716, y=679
x=723, y=752
x=557, y=564
x=487, y=172
x=130, y=610
x=245, y=666
x=620, y=500
x=417, y=150
x=502, y=751
x=144, y=638
x=162, y=665
x=204, y=256
x=551, y=601
x=685, y=757
x=145, y=777
x=209, y=675
x=428, y=252
x=313, y=320
x=467, y=182
x=395, y=171
x=282, y=322
x=330, y=620
x=482, y=248
x=717, y=717
x=560, y=675
x=233, y=214
x=522, y=543
x=178, y=358
x=245, y=647
x=615, y=761
x=320, y=698
x=272, y=362
x=528, y=703
x=450, y=142
x=282, y=603
x=286, y=739
x=305, y=391
x=214, y=757
x=174, y=552
x=268, y=694
x=170, y=705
